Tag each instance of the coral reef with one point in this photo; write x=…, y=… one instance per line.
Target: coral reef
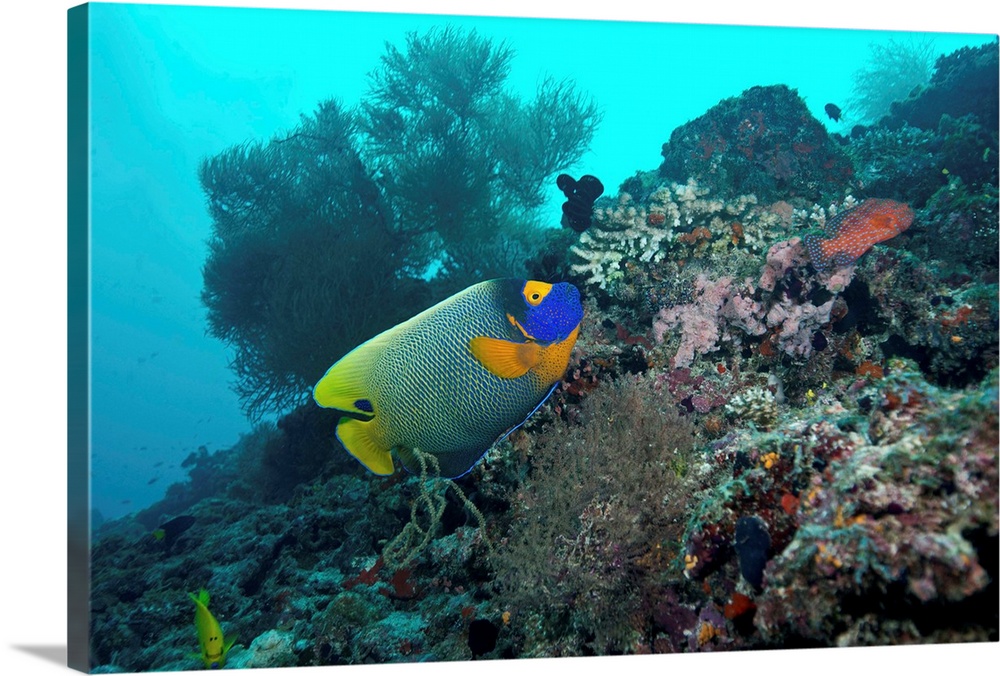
x=581, y=551
x=751, y=448
x=901, y=518
x=963, y=83
x=674, y=216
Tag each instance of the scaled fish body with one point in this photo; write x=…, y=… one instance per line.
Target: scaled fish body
x=213, y=647
x=851, y=233
x=456, y=378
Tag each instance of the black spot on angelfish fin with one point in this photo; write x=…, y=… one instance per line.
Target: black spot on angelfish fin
x=364, y=405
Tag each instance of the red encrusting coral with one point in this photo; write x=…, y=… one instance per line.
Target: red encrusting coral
x=656, y=218
x=402, y=586
x=366, y=576
x=740, y=605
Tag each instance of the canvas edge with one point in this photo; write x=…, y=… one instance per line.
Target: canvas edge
x=78, y=338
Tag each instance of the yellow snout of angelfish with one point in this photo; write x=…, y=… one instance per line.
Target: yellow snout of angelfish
x=455, y=379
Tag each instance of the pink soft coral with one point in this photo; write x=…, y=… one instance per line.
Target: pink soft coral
x=717, y=307
x=782, y=257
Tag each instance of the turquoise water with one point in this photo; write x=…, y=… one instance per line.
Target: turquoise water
x=173, y=85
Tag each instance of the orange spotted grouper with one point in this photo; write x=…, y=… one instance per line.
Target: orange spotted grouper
x=851, y=233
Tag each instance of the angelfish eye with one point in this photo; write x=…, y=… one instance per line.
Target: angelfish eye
x=535, y=292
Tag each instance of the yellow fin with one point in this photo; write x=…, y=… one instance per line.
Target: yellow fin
x=356, y=437
x=554, y=360
x=504, y=358
x=345, y=385
x=201, y=598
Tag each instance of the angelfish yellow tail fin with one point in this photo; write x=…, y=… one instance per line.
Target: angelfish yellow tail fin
x=345, y=386
x=356, y=437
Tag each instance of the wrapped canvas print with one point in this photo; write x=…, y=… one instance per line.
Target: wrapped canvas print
x=401, y=338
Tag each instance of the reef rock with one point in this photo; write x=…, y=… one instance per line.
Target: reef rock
x=764, y=142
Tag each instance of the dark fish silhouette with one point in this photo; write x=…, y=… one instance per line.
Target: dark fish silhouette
x=752, y=545
x=483, y=636
x=580, y=196
x=170, y=530
x=833, y=111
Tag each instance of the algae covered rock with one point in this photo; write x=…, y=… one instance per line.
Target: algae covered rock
x=765, y=142
x=272, y=649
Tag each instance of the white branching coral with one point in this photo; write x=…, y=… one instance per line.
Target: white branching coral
x=676, y=217
x=639, y=233
x=757, y=405
x=817, y=216
x=625, y=232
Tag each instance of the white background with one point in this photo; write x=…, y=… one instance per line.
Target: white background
x=33, y=328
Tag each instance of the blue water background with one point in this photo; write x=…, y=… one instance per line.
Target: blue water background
x=172, y=85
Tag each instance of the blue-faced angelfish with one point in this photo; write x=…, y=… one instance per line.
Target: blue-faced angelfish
x=213, y=647
x=455, y=379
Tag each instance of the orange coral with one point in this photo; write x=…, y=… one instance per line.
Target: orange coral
x=892, y=401
x=740, y=605
x=713, y=425
x=706, y=632
x=790, y=504
x=737, y=229
x=961, y=316
x=701, y=232
x=766, y=348
x=870, y=369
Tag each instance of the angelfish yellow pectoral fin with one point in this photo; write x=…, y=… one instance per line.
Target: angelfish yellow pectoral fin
x=504, y=358
x=356, y=437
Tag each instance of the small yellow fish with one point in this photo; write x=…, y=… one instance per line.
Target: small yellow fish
x=213, y=648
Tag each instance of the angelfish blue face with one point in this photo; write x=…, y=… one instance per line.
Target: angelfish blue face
x=551, y=311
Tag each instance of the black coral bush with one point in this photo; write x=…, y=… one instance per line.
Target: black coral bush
x=357, y=219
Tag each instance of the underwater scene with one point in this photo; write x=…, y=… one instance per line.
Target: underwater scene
x=429, y=338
